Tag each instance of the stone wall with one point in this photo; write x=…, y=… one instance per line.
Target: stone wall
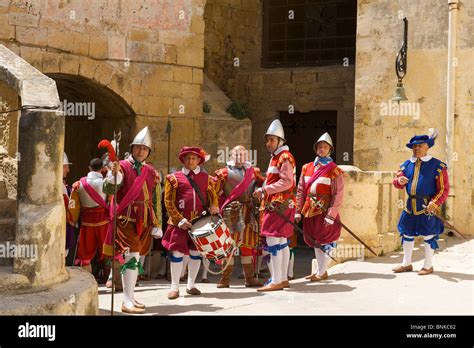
x=272, y=91
x=149, y=53
x=8, y=138
x=218, y=124
x=234, y=30
x=380, y=140
x=371, y=209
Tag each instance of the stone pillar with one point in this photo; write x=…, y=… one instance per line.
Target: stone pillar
x=41, y=214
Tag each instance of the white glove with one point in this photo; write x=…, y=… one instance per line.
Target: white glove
x=328, y=220
x=156, y=232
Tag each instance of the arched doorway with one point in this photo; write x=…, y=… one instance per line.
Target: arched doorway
x=96, y=112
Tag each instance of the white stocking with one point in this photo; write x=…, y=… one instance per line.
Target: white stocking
x=129, y=279
x=193, y=268
x=429, y=252
x=275, y=264
x=407, y=251
x=323, y=260
x=205, y=268
x=285, y=260
x=185, y=265
x=175, y=268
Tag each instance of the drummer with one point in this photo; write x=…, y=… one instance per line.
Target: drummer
x=184, y=205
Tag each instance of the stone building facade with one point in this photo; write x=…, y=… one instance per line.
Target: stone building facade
x=379, y=141
x=366, y=136
x=138, y=60
x=134, y=62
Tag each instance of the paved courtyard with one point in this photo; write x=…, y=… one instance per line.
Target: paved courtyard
x=353, y=287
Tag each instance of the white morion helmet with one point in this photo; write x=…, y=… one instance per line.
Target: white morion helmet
x=65, y=159
x=142, y=138
x=276, y=128
x=326, y=138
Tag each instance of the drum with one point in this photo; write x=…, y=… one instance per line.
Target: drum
x=212, y=237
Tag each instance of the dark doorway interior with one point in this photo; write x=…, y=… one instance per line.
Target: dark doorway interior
x=82, y=134
x=302, y=129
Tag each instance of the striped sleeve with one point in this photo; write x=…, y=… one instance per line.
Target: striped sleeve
x=219, y=180
x=170, y=198
x=212, y=195
x=442, y=185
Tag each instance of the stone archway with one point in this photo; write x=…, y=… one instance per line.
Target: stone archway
x=83, y=132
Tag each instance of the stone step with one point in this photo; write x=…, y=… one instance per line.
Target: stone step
x=7, y=208
x=7, y=228
x=10, y=281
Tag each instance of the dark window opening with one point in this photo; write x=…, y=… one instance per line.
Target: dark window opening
x=322, y=32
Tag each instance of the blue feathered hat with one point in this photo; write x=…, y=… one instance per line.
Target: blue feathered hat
x=420, y=139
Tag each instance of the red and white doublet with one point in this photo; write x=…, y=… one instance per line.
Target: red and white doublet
x=278, y=188
x=324, y=181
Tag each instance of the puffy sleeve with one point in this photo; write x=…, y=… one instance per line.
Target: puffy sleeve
x=219, y=180
x=171, y=185
x=337, y=193
x=285, y=182
x=442, y=185
x=212, y=196
x=300, y=191
x=157, y=202
x=400, y=173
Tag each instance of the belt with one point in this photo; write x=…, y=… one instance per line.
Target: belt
x=419, y=197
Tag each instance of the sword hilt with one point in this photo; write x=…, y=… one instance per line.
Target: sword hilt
x=426, y=212
x=319, y=202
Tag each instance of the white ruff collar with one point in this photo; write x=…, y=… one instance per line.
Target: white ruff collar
x=424, y=158
x=280, y=149
x=186, y=170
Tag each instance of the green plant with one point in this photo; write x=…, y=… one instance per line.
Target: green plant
x=206, y=107
x=239, y=110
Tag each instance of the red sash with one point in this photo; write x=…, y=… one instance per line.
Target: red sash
x=129, y=197
x=322, y=170
x=94, y=195
x=240, y=188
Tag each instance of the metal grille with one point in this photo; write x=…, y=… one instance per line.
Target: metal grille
x=322, y=32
